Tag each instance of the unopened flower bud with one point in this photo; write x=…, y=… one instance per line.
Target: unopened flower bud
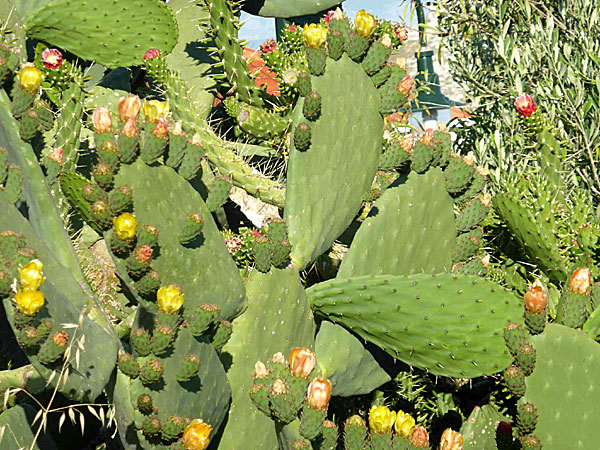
x=420, y=438
x=161, y=129
x=536, y=299
x=406, y=85
x=581, y=281
x=319, y=393
x=102, y=120
x=130, y=129
x=302, y=362
x=451, y=440
x=129, y=107
x=125, y=226
x=260, y=370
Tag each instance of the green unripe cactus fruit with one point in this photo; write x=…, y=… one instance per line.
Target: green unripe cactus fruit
x=188, y=368
x=380, y=441
x=21, y=100
x=13, y=185
x=92, y=193
x=458, y=175
x=514, y=336
x=311, y=421
x=420, y=158
x=44, y=328
x=531, y=442
x=572, y=309
x=151, y=147
x=218, y=193
x=178, y=144
x=151, y=372
x=472, y=215
x=53, y=348
x=382, y=76
x=475, y=188
x=335, y=44
x=140, y=339
x=302, y=136
x=356, y=46
x=161, y=339
x=394, y=157
x=191, y=228
x=355, y=433
x=138, y=263
x=300, y=444
x=104, y=175
x=535, y=322
x=173, y=427
x=151, y=427
x=120, y=200
x=262, y=253
x=304, y=84
x=148, y=284
x=167, y=320
x=144, y=404
x=526, y=358
x=473, y=267
x=128, y=364
x=317, y=60
x=260, y=397
x=29, y=125
x=6, y=281
x=10, y=243
x=376, y=57
x=44, y=114
x=394, y=93
x=312, y=106
x=442, y=148
x=277, y=230
x=191, y=162
x=514, y=379
x=222, y=334
x=282, y=402
x=527, y=417
x=28, y=337
x=128, y=146
x=280, y=253
x=147, y=235
x=467, y=244
x=329, y=436
x=202, y=318
x=119, y=247
x=21, y=320
x=53, y=169
x=3, y=165
x=341, y=25
x=108, y=153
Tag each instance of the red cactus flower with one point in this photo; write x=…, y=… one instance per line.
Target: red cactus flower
x=256, y=233
x=329, y=16
x=52, y=58
x=401, y=32
x=268, y=46
x=153, y=53
x=292, y=28
x=405, y=86
x=525, y=105
x=57, y=155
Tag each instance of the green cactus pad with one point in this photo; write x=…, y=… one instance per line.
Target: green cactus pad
x=479, y=430
x=287, y=8
x=345, y=362
x=129, y=28
x=452, y=325
x=17, y=430
x=279, y=319
x=339, y=165
x=423, y=241
x=562, y=388
x=538, y=240
x=219, y=278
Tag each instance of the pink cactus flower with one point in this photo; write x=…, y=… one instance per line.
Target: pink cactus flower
x=329, y=16
x=233, y=244
x=401, y=32
x=525, y=105
x=57, y=155
x=52, y=58
x=292, y=28
x=256, y=233
x=153, y=53
x=268, y=46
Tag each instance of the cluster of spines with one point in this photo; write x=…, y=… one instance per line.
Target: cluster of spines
x=272, y=248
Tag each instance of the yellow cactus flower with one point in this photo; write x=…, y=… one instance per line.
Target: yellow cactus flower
x=451, y=440
x=365, y=24
x=381, y=419
x=314, y=35
x=153, y=109
x=125, y=226
x=30, y=79
x=196, y=435
x=29, y=302
x=404, y=424
x=31, y=276
x=169, y=299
